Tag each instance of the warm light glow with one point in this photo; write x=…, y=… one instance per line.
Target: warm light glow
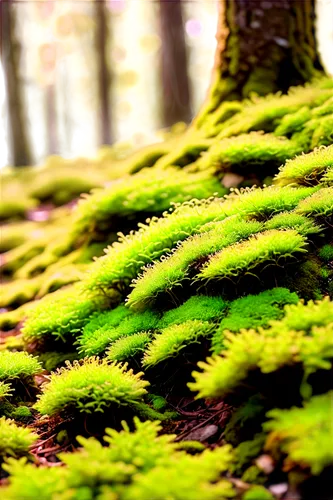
x=150, y=43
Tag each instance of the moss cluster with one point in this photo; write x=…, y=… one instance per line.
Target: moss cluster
x=201, y=292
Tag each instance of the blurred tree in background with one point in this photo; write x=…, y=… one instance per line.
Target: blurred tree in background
x=176, y=99
x=89, y=73
x=10, y=57
x=102, y=34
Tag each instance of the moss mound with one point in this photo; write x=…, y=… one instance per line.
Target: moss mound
x=200, y=271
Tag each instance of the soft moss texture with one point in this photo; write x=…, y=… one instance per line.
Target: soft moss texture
x=15, y=441
x=91, y=386
x=216, y=240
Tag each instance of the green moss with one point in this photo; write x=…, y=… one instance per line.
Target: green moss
x=54, y=359
x=320, y=204
x=132, y=465
x=264, y=113
x=293, y=220
x=304, y=434
x=306, y=169
x=5, y=390
x=150, y=190
x=303, y=337
x=117, y=324
x=17, y=365
x=21, y=413
x=199, y=307
x=253, y=311
x=326, y=253
x=248, y=450
x=171, y=271
x=293, y=122
x=10, y=319
x=158, y=402
x=170, y=342
x=257, y=493
x=246, y=150
x=91, y=386
x=307, y=280
x=268, y=247
x=15, y=441
x=125, y=348
x=61, y=315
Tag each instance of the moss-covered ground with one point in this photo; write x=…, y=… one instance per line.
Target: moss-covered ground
x=169, y=335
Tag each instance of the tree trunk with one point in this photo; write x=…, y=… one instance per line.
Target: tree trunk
x=51, y=120
x=176, y=99
x=104, y=77
x=19, y=148
x=67, y=146
x=262, y=46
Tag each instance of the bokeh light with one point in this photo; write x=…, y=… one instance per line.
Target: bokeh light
x=116, y=6
x=119, y=55
x=150, y=43
x=194, y=28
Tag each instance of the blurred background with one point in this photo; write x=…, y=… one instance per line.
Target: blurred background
x=79, y=74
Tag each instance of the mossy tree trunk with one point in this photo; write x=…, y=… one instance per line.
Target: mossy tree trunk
x=176, y=97
x=263, y=46
x=19, y=147
x=102, y=36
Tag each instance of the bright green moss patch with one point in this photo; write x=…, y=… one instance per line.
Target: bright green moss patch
x=293, y=122
x=174, y=338
x=127, y=256
x=247, y=150
x=150, y=190
x=15, y=441
x=17, y=365
x=5, y=390
x=127, y=347
x=320, y=204
x=263, y=113
x=133, y=465
x=265, y=202
x=189, y=477
x=199, y=307
x=253, y=311
x=293, y=220
x=305, y=434
x=327, y=178
x=306, y=169
x=91, y=386
x=303, y=336
x=61, y=315
x=257, y=493
x=267, y=247
x=171, y=271
x=117, y=324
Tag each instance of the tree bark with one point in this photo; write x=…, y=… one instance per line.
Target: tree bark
x=263, y=46
x=67, y=146
x=176, y=98
x=51, y=120
x=104, y=77
x=19, y=147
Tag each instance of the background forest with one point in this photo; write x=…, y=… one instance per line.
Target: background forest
x=153, y=70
